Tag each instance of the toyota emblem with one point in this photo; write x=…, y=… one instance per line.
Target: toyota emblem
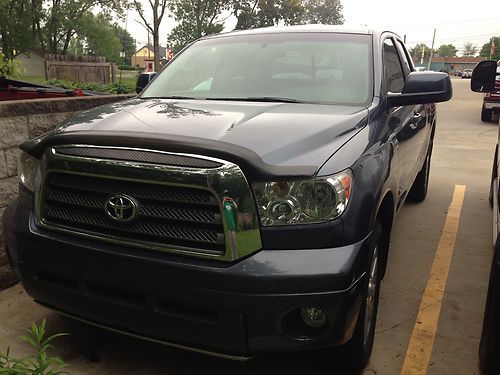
x=121, y=208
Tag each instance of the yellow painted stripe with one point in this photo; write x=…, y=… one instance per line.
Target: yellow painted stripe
x=421, y=342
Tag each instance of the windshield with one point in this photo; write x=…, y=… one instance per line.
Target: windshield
x=301, y=67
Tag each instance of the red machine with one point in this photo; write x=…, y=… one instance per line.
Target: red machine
x=19, y=90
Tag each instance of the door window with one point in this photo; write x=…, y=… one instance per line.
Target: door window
x=405, y=57
x=394, y=78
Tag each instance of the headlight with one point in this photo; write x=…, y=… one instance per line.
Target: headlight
x=303, y=202
x=28, y=171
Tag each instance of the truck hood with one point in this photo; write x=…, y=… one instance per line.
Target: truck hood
x=280, y=134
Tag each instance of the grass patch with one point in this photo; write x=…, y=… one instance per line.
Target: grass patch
x=39, y=363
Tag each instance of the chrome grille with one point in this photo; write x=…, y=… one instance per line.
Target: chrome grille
x=168, y=216
x=137, y=190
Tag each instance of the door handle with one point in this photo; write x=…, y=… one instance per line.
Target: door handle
x=415, y=120
x=416, y=117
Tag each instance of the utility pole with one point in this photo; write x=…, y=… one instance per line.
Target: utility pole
x=432, y=50
x=149, y=42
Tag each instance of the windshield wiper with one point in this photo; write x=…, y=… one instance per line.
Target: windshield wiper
x=168, y=97
x=268, y=99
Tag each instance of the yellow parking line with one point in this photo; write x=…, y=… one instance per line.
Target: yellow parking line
x=419, y=349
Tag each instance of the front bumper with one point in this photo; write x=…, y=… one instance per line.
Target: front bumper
x=492, y=105
x=240, y=308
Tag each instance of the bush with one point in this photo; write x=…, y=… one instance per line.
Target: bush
x=125, y=87
x=40, y=363
x=9, y=68
x=128, y=67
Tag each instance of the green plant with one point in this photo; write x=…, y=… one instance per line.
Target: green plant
x=40, y=363
x=127, y=86
x=8, y=67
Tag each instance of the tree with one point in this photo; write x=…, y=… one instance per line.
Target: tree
x=127, y=44
x=416, y=52
x=261, y=13
x=447, y=50
x=323, y=11
x=196, y=18
x=15, y=23
x=470, y=50
x=102, y=39
x=158, y=8
x=486, y=50
x=99, y=37
x=63, y=19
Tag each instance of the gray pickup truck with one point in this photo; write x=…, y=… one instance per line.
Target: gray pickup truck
x=242, y=203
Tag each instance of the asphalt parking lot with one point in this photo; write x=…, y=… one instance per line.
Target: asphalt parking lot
x=439, y=335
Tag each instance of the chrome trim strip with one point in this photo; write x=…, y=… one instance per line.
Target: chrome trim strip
x=227, y=184
x=195, y=156
x=162, y=342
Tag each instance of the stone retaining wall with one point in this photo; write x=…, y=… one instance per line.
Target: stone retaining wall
x=20, y=121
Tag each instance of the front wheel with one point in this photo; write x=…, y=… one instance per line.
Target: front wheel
x=486, y=114
x=356, y=353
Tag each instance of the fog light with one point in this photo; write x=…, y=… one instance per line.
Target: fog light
x=313, y=317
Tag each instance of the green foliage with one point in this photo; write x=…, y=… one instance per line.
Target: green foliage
x=61, y=20
x=127, y=86
x=101, y=38
x=129, y=68
x=195, y=19
x=98, y=36
x=416, y=52
x=127, y=44
x=447, y=50
x=485, y=51
x=470, y=50
x=48, y=25
x=40, y=363
x=9, y=68
x=328, y=12
x=259, y=13
x=15, y=22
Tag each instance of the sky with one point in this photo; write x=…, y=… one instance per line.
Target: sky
x=455, y=22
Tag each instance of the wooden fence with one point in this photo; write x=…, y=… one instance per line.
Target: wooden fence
x=79, y=68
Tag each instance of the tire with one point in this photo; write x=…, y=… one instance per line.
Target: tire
x=490, y=337
x=486, y=114
x=418, y=190
x=355, y=354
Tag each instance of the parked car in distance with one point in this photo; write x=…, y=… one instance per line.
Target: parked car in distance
x=420, y=69
x=466, y=73
x=485, y=79
x=143, y=80
x=491, y=100
x=242, y=203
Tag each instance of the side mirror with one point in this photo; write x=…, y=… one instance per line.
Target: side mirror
x=143, y=80
x=484, y=76
x=422, y=88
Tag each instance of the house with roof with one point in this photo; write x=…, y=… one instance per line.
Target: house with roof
x=144, y=57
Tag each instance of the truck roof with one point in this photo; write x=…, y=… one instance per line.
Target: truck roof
x=346, y=29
